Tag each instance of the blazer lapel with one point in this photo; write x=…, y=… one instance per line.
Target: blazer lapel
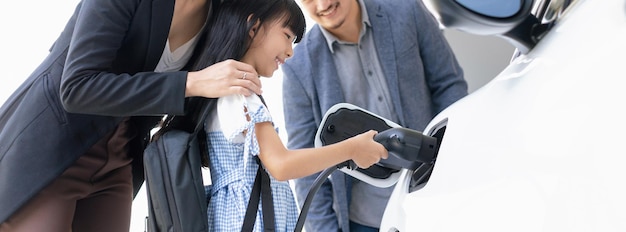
x=384, y=41
x=162, y=13
x=326, y=76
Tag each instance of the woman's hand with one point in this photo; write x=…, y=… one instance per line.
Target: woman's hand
x=222, y=79
x=367, y=152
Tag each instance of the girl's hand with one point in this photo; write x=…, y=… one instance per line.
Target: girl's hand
x=222, y=79
x=366, y=151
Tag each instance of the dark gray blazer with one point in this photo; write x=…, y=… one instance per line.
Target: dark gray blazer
x=421, y=71
x=97, y=73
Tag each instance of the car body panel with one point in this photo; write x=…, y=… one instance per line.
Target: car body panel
x=542, y=147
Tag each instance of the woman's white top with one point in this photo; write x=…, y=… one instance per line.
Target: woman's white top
x=177, y=59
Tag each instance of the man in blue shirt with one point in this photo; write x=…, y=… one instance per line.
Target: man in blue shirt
x=389, y=57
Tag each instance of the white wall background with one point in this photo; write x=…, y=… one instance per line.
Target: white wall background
x=30, y=27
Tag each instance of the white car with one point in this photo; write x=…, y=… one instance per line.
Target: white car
x=541, y=147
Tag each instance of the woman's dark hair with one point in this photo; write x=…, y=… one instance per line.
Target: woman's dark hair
x=227, y=35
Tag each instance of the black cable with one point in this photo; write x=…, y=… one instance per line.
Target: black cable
x=309, y=197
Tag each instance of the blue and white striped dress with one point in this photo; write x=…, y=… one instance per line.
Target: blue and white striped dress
x=232, y=144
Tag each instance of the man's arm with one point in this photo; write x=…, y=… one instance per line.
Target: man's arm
x=444, y=75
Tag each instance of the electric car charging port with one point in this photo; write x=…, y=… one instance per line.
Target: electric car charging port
x=420, y=176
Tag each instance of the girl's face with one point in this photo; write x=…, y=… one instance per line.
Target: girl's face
x=271, y=46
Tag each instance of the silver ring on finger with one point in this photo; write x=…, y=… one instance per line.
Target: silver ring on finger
x=244, y=75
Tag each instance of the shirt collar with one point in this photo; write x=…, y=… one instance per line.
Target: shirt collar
x=331, y=39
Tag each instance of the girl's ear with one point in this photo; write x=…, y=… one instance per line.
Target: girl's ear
x=255, y=27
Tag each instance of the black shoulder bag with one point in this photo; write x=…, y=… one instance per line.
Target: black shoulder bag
x=176, y=195
x=175, y=190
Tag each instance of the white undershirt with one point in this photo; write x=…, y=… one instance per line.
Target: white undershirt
x=177, y=59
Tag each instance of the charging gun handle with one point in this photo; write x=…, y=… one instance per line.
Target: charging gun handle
x=407, y=148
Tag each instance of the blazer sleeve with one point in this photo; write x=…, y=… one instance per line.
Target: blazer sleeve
x=88, y=85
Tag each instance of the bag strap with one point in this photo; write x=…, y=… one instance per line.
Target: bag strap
x=208, y=104
x=260, y=189
x=206, y=108
x=267, y=201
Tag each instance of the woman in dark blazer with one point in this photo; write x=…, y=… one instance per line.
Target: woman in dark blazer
x=72, y=135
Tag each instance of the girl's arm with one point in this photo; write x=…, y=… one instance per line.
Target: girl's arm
x=284, y=164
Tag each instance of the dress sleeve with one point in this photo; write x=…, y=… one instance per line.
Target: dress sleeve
x=238, y=114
